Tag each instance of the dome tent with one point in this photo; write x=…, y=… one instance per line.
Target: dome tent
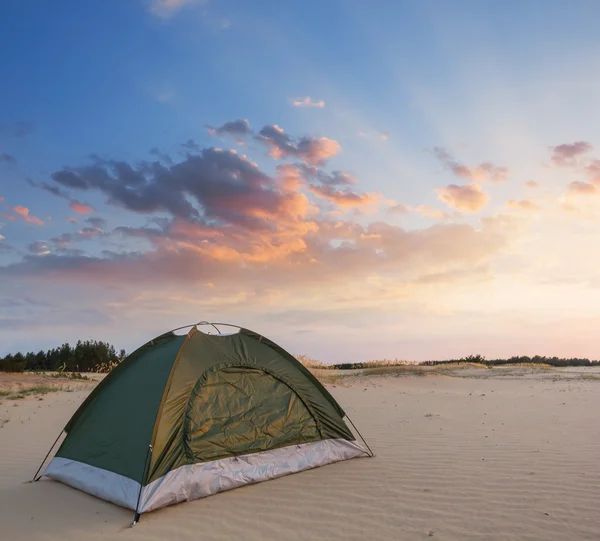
x=187, y=416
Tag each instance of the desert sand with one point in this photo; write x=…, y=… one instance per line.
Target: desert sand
x=471, y=454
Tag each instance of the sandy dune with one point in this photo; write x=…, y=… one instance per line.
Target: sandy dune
x=479, y=455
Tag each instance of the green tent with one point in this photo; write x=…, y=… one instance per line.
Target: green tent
x=187, y=416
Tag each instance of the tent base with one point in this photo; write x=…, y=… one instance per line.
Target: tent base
x=194, y=481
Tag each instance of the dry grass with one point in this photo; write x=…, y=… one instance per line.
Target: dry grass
x=35, y=390
x=309, y=362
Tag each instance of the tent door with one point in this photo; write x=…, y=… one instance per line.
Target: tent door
x=240, y=410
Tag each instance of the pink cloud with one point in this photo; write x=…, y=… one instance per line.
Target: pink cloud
x=468, y=198
x=524, y=204
x=308, y=102
x=532, y=184
x=593, y=171
x=399, y=208
x=80, y=208
x=72, y=220
x=24, y=213
x=485, y=172
x=566, y=154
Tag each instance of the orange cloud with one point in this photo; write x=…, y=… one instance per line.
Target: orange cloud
x=315, y=151
x=80, y=208
x=581, y=188
x=308, y=102
x=24, y=213
x=343, y=198
x=72, y=220
x=431, y=212
x=468, y=198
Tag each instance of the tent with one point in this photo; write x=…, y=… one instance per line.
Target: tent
x=188, y=416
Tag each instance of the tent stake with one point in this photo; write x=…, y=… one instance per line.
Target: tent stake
x=363, y=439
x=35, y=477
x=136, y=519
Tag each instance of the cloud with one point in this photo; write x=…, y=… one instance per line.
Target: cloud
x=18, y=129
x=336, y=178
x=22, y=129
x=523, y=204
x=593, y=171
x=532, y=184
x=578, y=187
x=164, y=97
x=307, y=102
x=235, y=128
x=24, y=213
x=167, y=8
x=399, y=208
x=315, y=151
x=384, y=136
x=72, y=220
x=485, y=172
x=343, y=198
x=301, y=257
x=424, y=210
x=566, y=154
x=264, y=237
x=8, y=158
x=213, y=185
x=467, y=198
x=96, y=221
x=80, y=208
x=39, y=247
x=431, y=212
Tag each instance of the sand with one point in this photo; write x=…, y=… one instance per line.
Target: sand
x=474, y=455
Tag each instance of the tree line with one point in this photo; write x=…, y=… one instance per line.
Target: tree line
x=519, y=359
x=85, y=356
x=479, y=359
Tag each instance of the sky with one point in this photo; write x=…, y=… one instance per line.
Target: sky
x=355, y=180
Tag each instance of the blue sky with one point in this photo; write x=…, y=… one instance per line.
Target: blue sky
x=464, y=126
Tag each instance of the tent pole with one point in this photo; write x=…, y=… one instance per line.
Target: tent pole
x=35, y=477
x=137, y=506
x=363, y=439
